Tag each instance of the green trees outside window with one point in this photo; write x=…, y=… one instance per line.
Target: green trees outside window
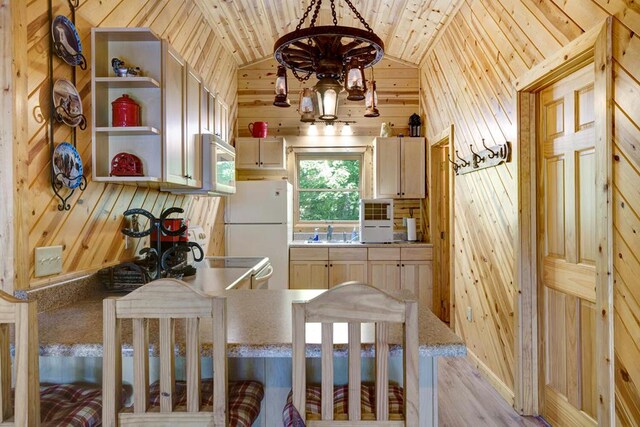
x=329, y=188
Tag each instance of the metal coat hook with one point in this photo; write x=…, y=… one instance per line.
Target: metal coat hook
x=455, y=165
x=465, y=162
x=477, y=158
x=492, y=154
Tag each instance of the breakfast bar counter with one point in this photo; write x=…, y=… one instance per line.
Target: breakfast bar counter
x=259, y=344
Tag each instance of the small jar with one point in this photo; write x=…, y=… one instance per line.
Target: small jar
x=125, y=112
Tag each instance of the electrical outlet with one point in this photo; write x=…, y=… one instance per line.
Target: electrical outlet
x=48, y=260
x=469, y=314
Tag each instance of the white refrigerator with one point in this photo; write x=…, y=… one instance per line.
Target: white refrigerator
x=259, y=222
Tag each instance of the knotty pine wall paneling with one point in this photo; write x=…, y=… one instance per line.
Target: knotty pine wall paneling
x=90, y=231
x=468, y=79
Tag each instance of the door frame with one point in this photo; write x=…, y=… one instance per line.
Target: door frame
x=593, y=46
x=444, y=138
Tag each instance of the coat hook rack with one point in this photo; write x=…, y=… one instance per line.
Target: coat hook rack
x=58, y=112
x=489, y=157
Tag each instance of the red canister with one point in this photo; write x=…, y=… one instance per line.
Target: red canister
x=125, y=112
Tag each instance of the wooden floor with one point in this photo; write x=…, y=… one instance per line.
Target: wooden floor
x=467, y=399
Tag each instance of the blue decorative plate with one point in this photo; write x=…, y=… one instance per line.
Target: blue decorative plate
x=66, y=161
x=66, y=95
x=66, y=40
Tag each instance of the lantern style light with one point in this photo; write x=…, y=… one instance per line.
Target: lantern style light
x=371, y=101
x=355, y=83
x=282, y=91
x=306, y=108
x=327, y=90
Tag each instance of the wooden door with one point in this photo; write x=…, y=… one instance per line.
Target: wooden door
x=567, y=245
x=387, y=174
x=192, y=140
x=345, y=271
x=308, y=274
x=272, y=153
x=416, y=276
x=412, y=168
x=384, y=274
x=174, y=72
x=247, y=153
x=439, y=194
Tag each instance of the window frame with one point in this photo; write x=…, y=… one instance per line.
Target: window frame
x=320, y=154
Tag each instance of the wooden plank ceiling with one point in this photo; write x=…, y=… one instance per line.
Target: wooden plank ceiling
x=249, y=28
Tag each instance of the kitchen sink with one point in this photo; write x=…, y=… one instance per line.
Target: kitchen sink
x=328, y=242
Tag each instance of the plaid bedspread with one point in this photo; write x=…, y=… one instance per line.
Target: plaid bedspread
x=341, y=404
x=71, y=405
x=244, y=399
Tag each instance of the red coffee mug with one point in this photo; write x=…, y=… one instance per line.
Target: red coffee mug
x=258, y=129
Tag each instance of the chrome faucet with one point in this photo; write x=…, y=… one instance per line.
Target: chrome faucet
x=329, y=232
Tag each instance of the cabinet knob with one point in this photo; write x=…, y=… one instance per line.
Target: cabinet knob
x=403, y=194
x=326, y=265
x=397, y=194
x=256, y=163
x=397, y=265
x=262, y=163
x=330, y=265
x=403, y=265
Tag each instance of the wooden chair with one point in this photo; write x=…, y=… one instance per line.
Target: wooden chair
x=53, y=404
x=168, y=300
x=356, y=303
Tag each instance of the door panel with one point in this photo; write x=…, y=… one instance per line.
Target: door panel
x=345, y=271
x=384, y=274
x=412, y=183
x=567, y=153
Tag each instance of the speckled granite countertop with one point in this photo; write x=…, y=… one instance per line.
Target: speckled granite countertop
x=259, y=325
x=394, y=244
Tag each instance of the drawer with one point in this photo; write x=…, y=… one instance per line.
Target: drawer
x=384, y=254
x=416, y=254
x=347, y=254
x=309, y=254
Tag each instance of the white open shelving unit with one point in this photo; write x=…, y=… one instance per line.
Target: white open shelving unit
x=138, y=47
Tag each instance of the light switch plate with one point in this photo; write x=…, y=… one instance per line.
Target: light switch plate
x=48, y=260
x=469, y=314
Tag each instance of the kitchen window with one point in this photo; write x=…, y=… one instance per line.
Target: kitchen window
x=328, y=187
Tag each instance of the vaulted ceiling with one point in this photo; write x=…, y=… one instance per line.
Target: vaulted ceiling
x=249, y=28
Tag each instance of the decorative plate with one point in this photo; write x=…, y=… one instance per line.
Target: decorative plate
x=66, y=40
x=67, y=161
x=66, y=95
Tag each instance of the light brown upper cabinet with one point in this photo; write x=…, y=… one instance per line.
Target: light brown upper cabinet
x=399, y=168
x=260, y=153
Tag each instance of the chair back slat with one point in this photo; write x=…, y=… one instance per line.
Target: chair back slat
x=382, y=371
x=357, y=303
x=193, y=364
x=327, y=371
x=6, y=409
x=111, y=363
x=26, y=365
x=410, y=354
x=140, y=365
x=167, y=364
x=298, y=355
x=355, y=372
x=165, y=300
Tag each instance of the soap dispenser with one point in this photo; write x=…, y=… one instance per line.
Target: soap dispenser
x=316, y=236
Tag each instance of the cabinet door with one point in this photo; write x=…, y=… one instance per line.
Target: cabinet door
x=247, y=153
x=206, y=126
x=387, y=176
x=221, y=119
x=192, y=141
x=413, y=171
x=308, y=275
x=416, y=276
x=174, y=72
x=345, y=271
x=272, y=153
x=384, y=274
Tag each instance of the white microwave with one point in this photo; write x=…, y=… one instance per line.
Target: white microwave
x=218, y=168
x=376, y=220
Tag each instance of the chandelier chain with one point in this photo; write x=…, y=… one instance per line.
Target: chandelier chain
x=355, y=12
x=303, y=78
x=333, y=12
x=315, y=14
x=305, y=15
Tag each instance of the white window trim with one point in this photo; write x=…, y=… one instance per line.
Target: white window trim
x=365, y=154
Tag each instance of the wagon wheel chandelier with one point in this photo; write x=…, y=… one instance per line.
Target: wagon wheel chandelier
x=336, y=54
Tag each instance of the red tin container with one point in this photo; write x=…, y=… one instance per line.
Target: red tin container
x=125, y=112
x=171, y=224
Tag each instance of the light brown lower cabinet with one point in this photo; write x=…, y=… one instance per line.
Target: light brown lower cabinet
x=346, y=271
x=308, y=274
x=384, y=268
x=416, y=276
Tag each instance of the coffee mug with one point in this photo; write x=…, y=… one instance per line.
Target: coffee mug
x=258, y=129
